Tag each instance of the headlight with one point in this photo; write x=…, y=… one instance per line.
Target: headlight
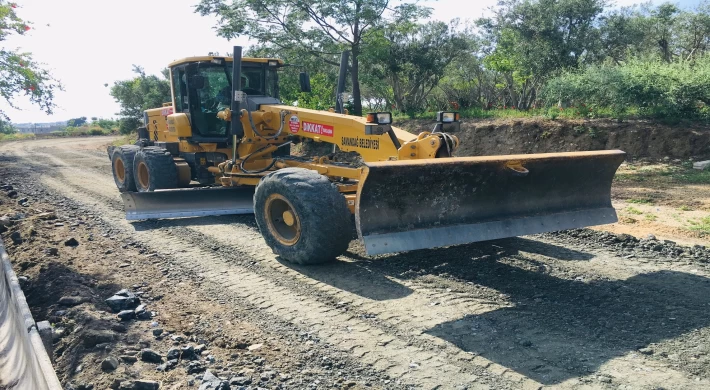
x=447, y=117
x=384, y=118
x=381, y=118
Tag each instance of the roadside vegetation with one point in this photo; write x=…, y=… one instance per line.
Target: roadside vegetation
x=663, y=175
x=76, y=127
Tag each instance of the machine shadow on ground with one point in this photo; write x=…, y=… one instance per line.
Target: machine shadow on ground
x=372, y=278
x=547, y=250
x=561, y=328
x=144, y=225
x=353, y=277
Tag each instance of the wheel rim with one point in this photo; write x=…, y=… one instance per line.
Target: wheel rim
x=143, y=175
x=120, y=170
x=282, y=220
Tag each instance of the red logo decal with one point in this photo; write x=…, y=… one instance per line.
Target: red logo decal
x=316, y=128
x=293, y=124
x=166, y=111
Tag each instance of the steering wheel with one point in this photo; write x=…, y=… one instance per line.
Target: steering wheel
x=252, y=91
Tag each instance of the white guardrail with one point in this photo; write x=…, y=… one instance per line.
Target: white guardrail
x=24, y=363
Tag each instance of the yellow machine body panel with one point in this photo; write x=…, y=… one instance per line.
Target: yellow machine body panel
x=188, y=60
x=348, y=132
x=179, y=126
x=157, y=123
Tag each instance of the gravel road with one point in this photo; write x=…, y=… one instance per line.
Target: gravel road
x=585, y=310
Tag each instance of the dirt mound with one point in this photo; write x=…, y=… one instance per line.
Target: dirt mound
x=537, y=135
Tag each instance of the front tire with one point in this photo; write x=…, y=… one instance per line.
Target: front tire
x=154, y=169
x=302, y=216
x=122, y=166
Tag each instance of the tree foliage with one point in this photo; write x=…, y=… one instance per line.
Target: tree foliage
x=20, y=74
x=655, y=87
x=648, y=59
x=77, y=122
x=319, y=28
x=139, y=94
x=6, y=127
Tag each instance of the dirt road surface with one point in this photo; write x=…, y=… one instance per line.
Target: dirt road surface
x=571, y=311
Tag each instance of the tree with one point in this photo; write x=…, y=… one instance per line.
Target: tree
x=6, y=127
x=76, y=122
x=139, y=94
x=19, y=73
x=529, y=41
x=323, y=77
x=414, y=58
x=321, y=28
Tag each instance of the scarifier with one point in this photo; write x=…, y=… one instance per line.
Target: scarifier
x=222, y=146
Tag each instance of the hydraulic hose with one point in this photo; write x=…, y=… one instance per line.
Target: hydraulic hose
x=253, y=127
x=273, y=161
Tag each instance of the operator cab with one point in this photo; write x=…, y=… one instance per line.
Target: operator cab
x=202, y=86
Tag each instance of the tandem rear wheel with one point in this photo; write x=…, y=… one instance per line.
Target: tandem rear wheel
x=154, y=169
x=302, y=216
x=122, y=167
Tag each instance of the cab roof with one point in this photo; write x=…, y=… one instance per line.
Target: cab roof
x=228, y=59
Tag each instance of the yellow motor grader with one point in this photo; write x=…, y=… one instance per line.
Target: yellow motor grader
x=222, y=146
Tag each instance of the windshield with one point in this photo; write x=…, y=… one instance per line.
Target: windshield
x=212, y=92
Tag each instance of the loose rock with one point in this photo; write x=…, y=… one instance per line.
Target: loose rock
x=240, y=381
x=195, y=367
x=145, y=385
x=129, y=358
x=120, y=328
x=150, y=356
x=173, y=353
x=94, y=337
x=16, y=238
x=211, y=382
x=109, y=364
x=188, y=353
x=71, y=301
x=126, y=315
x=71, y=242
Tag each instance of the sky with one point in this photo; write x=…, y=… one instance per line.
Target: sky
x=89, y=43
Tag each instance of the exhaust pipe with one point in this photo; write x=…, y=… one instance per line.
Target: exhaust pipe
x=237, y=96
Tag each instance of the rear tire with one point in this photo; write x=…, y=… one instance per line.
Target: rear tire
x=302, y=216
x=154, y=169
x=122, y=167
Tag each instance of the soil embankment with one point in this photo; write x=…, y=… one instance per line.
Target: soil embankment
x=640, y=139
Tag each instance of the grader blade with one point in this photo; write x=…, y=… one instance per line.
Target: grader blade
x=196, y=202
x=407, y=205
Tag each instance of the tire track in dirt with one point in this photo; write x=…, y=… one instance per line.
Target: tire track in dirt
x=407, y=317
x=371, y=345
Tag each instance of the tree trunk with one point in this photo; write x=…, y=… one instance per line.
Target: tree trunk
x=357, y=101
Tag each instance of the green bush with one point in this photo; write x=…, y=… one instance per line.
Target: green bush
x=106, y=124
x=128, y=125
x=652, y=89
x=16, y=136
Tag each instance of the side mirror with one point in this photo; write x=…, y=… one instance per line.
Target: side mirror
x=198, y=81
x=305, y=82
